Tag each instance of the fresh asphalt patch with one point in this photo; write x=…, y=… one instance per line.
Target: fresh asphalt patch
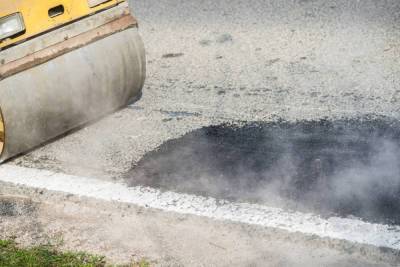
x=348, y=167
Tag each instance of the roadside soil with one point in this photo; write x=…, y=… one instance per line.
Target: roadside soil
x=125, y=232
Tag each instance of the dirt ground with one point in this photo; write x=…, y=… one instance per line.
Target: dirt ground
x=123, y=232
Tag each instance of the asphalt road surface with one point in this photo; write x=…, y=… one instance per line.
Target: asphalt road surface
x=210, y=63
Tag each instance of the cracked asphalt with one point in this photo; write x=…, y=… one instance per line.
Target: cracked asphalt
x=210, y=62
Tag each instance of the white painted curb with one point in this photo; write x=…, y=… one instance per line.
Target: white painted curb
x=338, y=228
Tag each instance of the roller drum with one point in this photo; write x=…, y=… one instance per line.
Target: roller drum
x=68, y=91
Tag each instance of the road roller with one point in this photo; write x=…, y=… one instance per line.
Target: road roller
x=64, y=63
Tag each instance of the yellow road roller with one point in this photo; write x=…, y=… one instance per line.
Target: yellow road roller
x=64, y=63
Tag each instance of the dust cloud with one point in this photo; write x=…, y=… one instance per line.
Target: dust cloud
x=347, y=167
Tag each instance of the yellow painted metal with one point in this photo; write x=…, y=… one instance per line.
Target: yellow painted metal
x=36, y=14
